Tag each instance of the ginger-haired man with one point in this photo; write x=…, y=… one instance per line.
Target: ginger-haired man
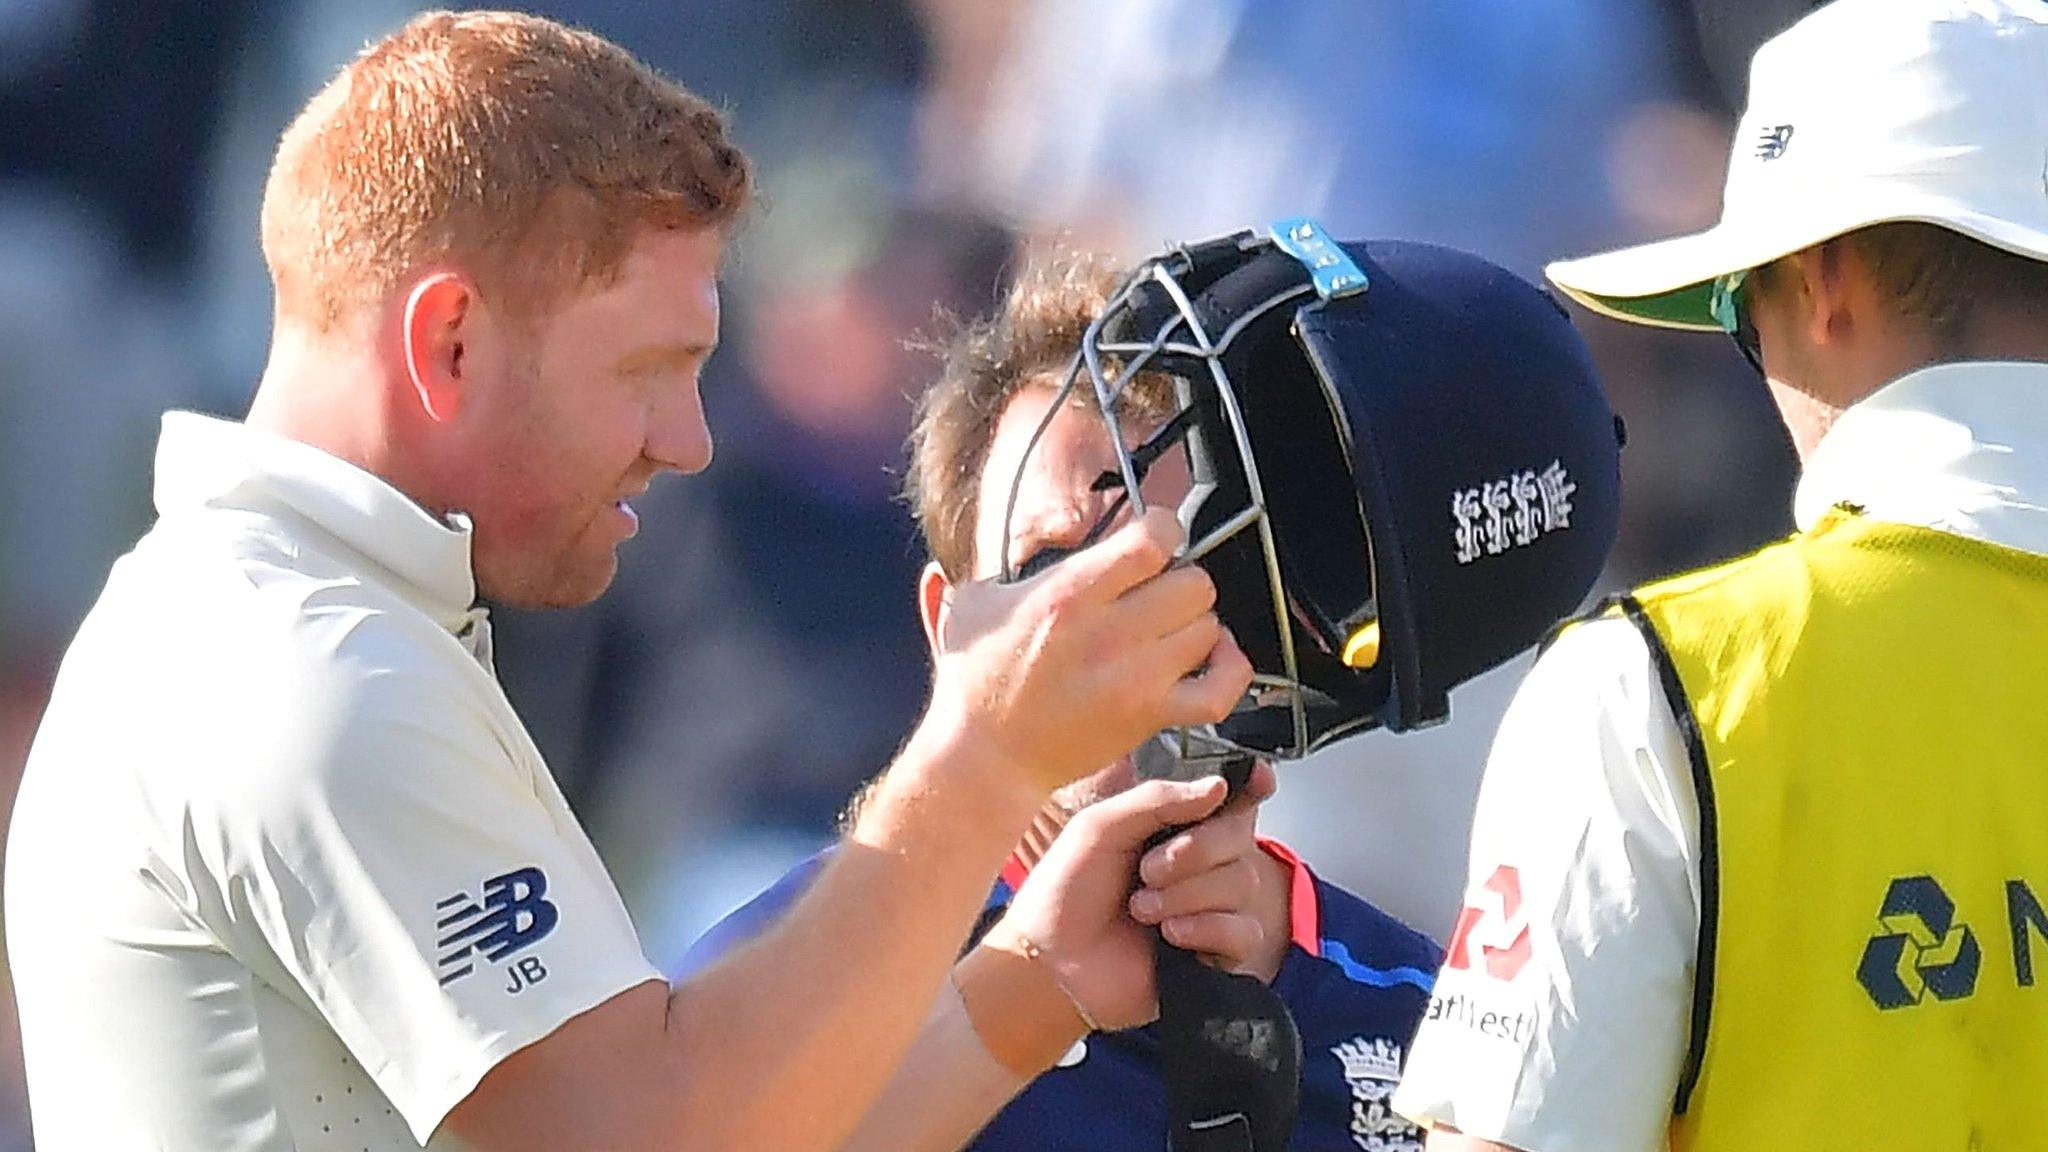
x=286, y=870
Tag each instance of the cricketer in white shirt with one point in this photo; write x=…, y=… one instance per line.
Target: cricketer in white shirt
x=286, y=871
x=1561, y=1017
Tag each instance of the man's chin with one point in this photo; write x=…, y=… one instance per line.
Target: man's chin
x=568, y=587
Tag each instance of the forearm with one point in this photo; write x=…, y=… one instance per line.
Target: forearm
x=946, y=1090
x=1003, y=1019
x=788, y=1043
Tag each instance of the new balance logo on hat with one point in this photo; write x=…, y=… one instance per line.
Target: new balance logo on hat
x=1924, y=110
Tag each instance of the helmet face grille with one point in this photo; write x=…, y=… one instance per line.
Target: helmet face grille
x=1240, y=318
x=1395, y=486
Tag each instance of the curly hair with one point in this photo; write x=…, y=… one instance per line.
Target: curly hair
x=1028, y=342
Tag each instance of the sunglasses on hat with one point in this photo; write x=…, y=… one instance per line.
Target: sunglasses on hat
x=1732, y=313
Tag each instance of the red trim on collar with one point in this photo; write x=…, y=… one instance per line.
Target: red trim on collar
x=1014, y=872
x=1304, y=911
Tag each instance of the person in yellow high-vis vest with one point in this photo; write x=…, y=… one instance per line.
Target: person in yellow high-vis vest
x=1761, y=855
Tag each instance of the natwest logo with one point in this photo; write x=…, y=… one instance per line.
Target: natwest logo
x=1920, y=947
x=1492, y=931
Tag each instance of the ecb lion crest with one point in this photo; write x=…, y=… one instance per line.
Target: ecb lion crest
x=1372, y=1068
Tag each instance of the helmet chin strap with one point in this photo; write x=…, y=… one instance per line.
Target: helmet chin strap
x=1229, y=1048
x=1228, y=1045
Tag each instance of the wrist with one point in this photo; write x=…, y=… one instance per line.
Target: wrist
x=981, y=790
x=1017, y=1006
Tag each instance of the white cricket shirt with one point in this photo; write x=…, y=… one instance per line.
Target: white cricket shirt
x=1562, y=1014
x=286, y=871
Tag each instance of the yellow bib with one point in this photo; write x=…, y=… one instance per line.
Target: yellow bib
x=1867, y=711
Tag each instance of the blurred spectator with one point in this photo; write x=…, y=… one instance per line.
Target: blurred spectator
x=765, y=52
x=1729, y=32
x=1173, y=120
x=119, y=100
x=89, y=355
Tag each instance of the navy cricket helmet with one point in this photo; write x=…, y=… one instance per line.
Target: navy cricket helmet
x=1405, y=468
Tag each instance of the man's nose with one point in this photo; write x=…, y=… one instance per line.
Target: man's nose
x=679, y=438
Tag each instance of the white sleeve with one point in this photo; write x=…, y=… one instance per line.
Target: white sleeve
x=391, y=863
x=1560, y=1019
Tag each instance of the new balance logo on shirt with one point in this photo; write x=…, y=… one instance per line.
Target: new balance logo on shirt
x=512, y=916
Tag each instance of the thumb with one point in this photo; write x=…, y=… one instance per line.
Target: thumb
x=1258, y=788
x=1129, y=819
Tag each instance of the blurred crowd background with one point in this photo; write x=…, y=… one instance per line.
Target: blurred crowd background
x=760, y=656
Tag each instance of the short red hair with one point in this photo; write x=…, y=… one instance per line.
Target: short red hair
x=525, y=152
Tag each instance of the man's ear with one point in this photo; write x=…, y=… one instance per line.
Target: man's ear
x=1826, y=280
x=932, y=590
x=433, y=334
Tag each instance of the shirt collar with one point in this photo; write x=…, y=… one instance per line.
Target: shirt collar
x=1962, y=448
x=203, y=463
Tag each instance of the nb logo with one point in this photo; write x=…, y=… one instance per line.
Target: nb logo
x=1773, y=142
x=1920, y=948
x=512, y=916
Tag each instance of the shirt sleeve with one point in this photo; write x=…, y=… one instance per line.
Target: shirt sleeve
x=1560, y=1017
x=382, y=853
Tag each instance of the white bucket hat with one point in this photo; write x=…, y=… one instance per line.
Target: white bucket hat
x=1866, y=111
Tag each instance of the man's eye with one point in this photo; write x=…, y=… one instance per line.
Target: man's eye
x=1042, y=559
x=1049, y=555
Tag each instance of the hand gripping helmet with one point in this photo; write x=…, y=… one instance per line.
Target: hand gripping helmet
x=1405, y=469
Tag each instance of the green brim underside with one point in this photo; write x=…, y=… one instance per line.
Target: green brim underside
x=1688, y=307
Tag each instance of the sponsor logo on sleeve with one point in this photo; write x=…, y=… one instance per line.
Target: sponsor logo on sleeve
x=1490, y=943
x=1483, y=1016
x=511, y=915
x=1492, y=933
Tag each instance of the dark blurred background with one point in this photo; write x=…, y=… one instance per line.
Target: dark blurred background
x=760, y=656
